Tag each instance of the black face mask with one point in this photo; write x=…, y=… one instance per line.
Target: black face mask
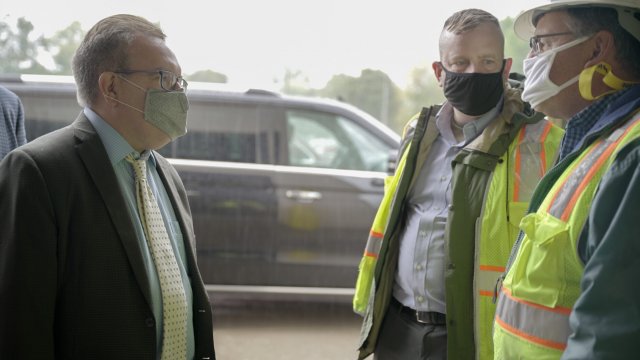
x=473, y=93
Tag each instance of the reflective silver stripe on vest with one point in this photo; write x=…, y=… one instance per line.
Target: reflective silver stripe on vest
x=374, y=243
x=584, y=172
x=530, y=159
x=486, y=278
x=545, y=326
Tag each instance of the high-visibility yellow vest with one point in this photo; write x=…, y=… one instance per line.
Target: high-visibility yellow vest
x=543, y=283
x=527, y=159
x=363, y=291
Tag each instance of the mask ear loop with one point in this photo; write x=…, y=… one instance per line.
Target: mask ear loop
x=609, y=78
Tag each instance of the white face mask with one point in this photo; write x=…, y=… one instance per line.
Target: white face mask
x=537, y=85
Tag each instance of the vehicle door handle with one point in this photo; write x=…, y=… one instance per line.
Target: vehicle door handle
x=377, y=182
x=303, y=195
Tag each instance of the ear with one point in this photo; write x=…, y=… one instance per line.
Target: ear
x=107, y=86
x=507, y=68
x=602, y=49
x=437, y=71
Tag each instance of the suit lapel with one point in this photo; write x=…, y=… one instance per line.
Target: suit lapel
x=94, y=156
x=180, y=208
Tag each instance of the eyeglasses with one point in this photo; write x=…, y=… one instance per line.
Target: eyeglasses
x=168, y=80
x=536, y=45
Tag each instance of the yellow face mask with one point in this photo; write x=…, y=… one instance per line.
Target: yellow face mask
x=586, y=79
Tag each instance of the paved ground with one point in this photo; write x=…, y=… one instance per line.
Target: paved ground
x=285, y=331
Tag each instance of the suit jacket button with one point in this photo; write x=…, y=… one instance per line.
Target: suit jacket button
x=149, y=322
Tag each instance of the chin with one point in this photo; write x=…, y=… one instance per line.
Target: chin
x=159, y=143
x=559, y=106
x=543, y=107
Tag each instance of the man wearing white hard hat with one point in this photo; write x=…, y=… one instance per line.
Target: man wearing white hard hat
x=570, y=290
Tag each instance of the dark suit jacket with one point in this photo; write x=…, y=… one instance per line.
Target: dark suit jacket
x=72, y=282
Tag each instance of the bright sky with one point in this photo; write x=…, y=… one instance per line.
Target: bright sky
x=254, y=41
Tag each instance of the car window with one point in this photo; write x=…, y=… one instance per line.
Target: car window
x=325, y=140
x=221, y=132
x=310, y=141
x=373, y=151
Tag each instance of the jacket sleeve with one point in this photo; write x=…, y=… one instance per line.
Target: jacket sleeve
x=21, y=133
x=605, y=321
x=28, y=261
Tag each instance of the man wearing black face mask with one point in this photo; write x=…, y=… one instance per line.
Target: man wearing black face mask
x=444, y=229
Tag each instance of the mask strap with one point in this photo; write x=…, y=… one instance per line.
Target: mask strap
x=123, y=103
x=609, y=79
x=132, y=83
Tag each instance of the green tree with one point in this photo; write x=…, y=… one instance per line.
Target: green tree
x=373, y=91
x=422, y=90
x=18, y=51
x=514, y=47
x=62, y=45
x=207, y=76
x=295, y=82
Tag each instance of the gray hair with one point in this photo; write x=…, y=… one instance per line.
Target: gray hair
x=105, y=48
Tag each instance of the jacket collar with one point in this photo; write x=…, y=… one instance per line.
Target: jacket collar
x=502, y=124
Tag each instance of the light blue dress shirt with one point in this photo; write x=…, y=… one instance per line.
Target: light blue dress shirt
x=117, y=149
x=419, y=279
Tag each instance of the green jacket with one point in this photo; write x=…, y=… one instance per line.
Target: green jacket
x=473, y=169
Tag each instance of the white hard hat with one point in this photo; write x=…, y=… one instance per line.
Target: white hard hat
x=628, y=14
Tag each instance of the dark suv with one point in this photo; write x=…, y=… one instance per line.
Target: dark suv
x=282, y=189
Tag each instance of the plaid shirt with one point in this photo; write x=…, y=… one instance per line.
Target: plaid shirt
x=581, y=123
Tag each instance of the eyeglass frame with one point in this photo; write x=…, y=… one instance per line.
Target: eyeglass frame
x=534, y=41
x=179, y=80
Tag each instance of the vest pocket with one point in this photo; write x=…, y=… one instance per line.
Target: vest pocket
x=539, y=270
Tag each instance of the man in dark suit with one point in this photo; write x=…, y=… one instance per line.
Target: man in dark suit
x=87, y=242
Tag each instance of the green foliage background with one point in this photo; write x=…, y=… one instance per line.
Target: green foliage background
x=372, y=91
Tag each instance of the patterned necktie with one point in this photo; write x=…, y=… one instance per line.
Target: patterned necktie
x=174, y=302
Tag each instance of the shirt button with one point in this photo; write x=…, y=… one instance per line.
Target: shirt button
x=420, y=298
x=444, y=178
x=419, y=267
x=149, y=322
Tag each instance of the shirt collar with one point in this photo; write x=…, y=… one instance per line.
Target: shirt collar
x=116, y=146
x=587, y=121
x=595, y=111
x=470, y=130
